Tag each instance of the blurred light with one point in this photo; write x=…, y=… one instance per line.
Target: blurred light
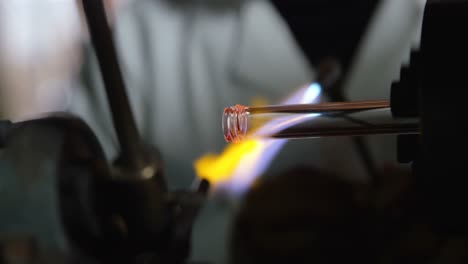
x=311, y=94
x=219, y=168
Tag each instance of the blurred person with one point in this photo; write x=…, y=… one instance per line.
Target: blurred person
x=184, y=61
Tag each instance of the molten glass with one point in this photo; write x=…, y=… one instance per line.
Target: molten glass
x=235, y=123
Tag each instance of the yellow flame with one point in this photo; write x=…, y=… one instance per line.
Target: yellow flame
x=219, y=168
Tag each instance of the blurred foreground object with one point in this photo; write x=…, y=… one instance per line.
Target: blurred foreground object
x=17, y=249
x=310, y=216
x=302, y=216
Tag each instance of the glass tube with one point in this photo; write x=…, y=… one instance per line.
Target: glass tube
x=319, y=120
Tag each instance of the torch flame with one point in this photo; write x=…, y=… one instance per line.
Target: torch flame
x=240, y=164
x=219, y=168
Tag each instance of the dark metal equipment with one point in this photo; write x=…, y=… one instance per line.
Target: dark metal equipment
x=119, y=213
x=440, y=164
x=432, y=88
